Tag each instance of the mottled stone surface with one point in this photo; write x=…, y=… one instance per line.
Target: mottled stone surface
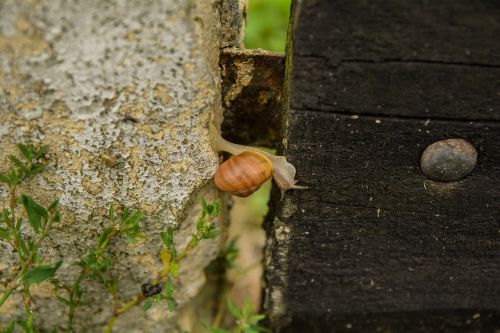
x=122, y=92
x=233, y=21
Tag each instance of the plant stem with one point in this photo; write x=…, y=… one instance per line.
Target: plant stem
x=25, y=264
x=112, y=233
x=74, y=299
x=27, y=308
x=12, y=222
x=188, y=247
x=221, y=311
x=118, y=312
x=139, y=298
x=6, y=294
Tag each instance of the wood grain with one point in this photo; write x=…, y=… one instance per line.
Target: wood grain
x=374, y=245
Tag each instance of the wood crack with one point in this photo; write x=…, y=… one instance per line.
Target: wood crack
x=350, y=113
x=385, y=209
x=409, y=61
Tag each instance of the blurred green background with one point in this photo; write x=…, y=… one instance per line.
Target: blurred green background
x=267, y=23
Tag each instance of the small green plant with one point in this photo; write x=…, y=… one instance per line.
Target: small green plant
x=97, y=262
x=245, y=320
x=162, y=288
x=227, y=257
x=32, y=268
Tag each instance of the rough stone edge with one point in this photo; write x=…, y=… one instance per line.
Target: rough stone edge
x=231, y=27
x=233, y=14
x=212, y=44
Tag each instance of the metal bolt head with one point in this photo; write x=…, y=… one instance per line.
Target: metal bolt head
x=448, y=160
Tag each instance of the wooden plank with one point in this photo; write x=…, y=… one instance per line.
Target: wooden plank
x=393, y=57
x=399, y=88
x=383, y=228
x=458, y=31
x=374, y=245
x=373, y=235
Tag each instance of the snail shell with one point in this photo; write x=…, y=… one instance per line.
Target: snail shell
x=243, y=174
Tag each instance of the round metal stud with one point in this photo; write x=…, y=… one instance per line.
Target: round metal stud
x=448, y=160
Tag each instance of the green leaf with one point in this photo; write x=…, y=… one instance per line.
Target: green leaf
x=36, y=169
x=211, y=234
x=250, y=330
x=53, y=206
x=125, y=214
x=20, y=165
x=23, y=325
x=203, y=204
x=34, y=211
x=234, y=310
x=256, y=318
x=5, y=215
x=200, y=223
x=41, y=273
x=111, y=212
x=4, y=234
x=19, y=224
x=25, y=151
x=104, y=235
x=22, y=245
x=41, y=151
x=213, y=208
x=63, y=300
x=56, y=218
x=134, y=219
x=174, y=268
x=168, y=237
x=4, y=179
x=9, y=328
x=33, y=217
x=170, y=304
x=194, y=240
x=261, y=329
x=12, y=175
x=32, y=245
x=168, y=289
x=148, y=303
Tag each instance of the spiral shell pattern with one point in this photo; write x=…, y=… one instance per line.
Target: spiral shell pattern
x=243, y=174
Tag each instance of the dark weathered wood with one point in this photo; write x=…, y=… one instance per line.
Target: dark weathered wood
x=252, y=82
x=460, y=31
x=393, y=57
x=402, y=88
x=422, y=322
x=374, y=245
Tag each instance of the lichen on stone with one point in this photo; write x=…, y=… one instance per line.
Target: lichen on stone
x=122, y=92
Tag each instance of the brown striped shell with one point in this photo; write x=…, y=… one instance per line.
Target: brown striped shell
x=243, y=174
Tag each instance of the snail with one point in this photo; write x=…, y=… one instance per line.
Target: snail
x=249, y=168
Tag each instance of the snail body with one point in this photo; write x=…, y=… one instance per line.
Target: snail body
x=243, y=174
x=283, y=172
